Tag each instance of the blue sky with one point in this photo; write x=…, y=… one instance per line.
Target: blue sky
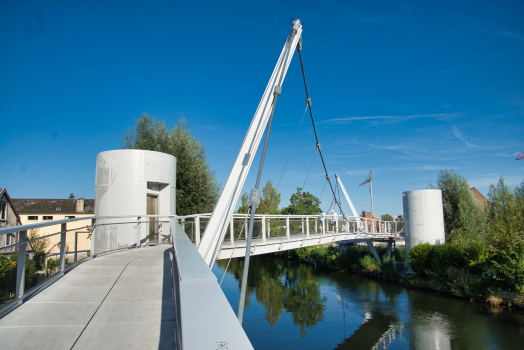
x=405, y=88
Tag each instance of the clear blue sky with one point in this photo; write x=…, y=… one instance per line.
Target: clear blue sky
x=405, y=88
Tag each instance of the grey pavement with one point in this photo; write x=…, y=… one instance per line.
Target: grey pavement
x=122, y=300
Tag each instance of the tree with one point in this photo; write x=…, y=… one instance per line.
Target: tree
x=386, y=217
x=506, y=233
x=268, y=203
x=196, y=187
x=40, y=247
x=302, y=203
x=463, y=219
x=71, y=195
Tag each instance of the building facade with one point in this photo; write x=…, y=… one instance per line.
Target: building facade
x=32, y=211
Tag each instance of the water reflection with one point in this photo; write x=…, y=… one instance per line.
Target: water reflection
x=281, y=285
x=342, y=311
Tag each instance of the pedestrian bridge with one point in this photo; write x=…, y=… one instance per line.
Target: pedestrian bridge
x=274, y=233
x=156, y=294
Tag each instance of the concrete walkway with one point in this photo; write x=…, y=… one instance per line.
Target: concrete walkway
x=122, y=300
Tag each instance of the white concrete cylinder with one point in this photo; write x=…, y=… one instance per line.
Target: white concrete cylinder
x=423, y=218
x=124, y=180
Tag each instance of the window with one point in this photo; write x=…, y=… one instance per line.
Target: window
x=48, y=218
x=3, y=211
x=32, y=218
x=9, y=239
x=69, y=217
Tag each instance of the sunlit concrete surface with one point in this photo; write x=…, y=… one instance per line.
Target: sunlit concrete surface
x=122, y=300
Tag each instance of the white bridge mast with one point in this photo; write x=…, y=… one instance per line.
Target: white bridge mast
x=351, y=206
x=223, y=211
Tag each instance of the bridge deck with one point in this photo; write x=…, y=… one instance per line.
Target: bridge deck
x=279, y=243
x=122, y=300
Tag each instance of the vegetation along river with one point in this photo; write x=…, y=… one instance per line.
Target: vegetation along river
x=291, y=305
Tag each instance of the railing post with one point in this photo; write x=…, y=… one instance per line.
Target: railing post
x=20, y=266
x=138, y=231
x=287, y=227
x=264, y=228
x=62, y=247
x=231, y=231
x=76, y=246
x=302, y=225
x=93, y=223
x=197, y=231
x=316, y=219
x=269, y=227
x=336, y=225
x=245, y=228
x=159, y=233
x=183, y=223
x=307, y=227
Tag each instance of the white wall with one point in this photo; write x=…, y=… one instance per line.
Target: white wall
x=121, y=188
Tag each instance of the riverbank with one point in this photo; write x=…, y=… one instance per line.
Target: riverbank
x=457, y=282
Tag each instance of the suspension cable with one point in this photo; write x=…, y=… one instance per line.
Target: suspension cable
x=236, y=242
x=308, y=100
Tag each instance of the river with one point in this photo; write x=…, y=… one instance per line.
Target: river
x=291, y=305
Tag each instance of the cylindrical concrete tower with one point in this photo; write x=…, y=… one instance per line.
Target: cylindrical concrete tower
x=423, y=218
x=132, y=182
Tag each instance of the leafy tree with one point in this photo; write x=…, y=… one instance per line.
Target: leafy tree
x=302, y=203
x=506, y=233
x=268, y=203
x=71, y=195
x=196, y=187
x=40, y=247
x=386, y=217
x=462, y=214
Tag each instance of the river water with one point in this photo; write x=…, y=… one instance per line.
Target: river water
x=291, y=305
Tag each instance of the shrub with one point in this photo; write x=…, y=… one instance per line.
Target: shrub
x=387, y=268
x=370, y=264
x=420, y=258
x=465, y=285
x=30, y=271
x=430, y=260
x=7, y=279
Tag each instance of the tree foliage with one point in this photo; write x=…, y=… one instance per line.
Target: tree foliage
x=302, y=203
x=386, y=217
x=506, y=233
x=268, y=203
x=196, y=187
x=462, y=213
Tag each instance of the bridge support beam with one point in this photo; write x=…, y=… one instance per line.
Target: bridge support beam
x=388, y=249
x=373, y=250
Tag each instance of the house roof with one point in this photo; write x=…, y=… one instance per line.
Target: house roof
x=11, y=204
x=479, y=196
x=53, y=206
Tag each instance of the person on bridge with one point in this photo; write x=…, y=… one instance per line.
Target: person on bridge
x=321, y=219
x=334, y=219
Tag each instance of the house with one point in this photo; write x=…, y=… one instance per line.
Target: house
x=38, y=210
x=9, y=217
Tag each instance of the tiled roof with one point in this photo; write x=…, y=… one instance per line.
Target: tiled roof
x=52, y=206
x=479, y=196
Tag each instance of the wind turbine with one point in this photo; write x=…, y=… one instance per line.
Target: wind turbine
x=370, y=180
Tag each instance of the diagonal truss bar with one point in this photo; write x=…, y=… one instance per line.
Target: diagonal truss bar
x=351, y=206
x=222, y=213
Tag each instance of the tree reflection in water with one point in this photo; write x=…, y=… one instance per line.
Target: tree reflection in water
x=281, y=285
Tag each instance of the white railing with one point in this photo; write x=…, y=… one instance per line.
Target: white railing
x=267, y=226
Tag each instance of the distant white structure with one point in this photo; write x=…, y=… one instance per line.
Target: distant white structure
x=423, y=218
x=132, y=182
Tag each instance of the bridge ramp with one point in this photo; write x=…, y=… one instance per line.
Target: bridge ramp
x=122, y=300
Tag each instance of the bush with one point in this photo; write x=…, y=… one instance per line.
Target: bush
x=7, y=279
x=30, y=271
x=434, y=260
x=370, y=264
x=465, y=285
x=387, y=268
